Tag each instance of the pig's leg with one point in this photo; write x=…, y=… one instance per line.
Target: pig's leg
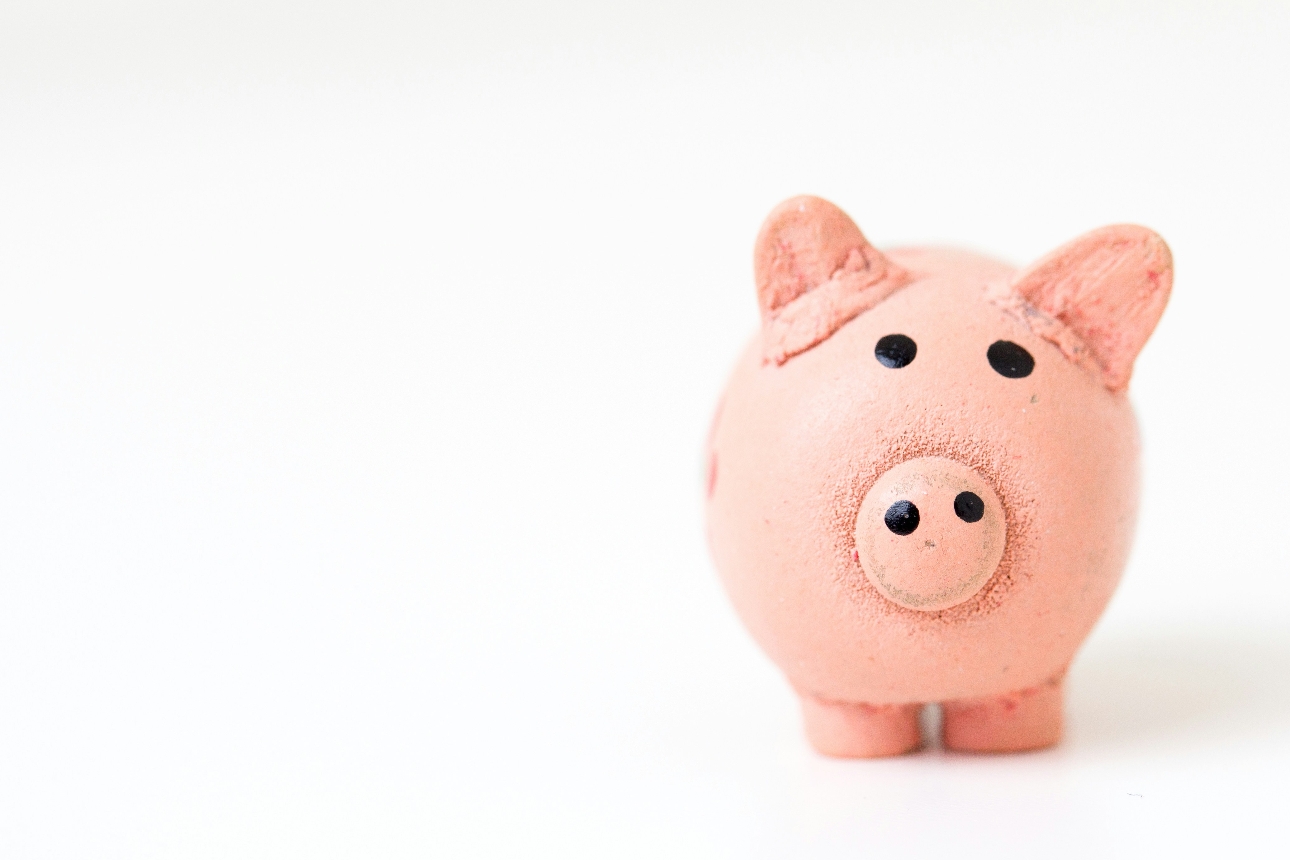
x=854, y=730
x=1025, y=720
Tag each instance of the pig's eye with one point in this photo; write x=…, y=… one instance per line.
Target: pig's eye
x=895, y=350
x=1009, y=359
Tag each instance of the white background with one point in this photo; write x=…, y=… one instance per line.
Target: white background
x=355, y=361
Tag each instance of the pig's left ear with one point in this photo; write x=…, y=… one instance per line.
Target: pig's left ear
x=815, y=271
x=1109, y=287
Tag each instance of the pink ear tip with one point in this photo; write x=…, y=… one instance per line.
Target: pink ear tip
x=1109, y=287
x=815, y=271
x=1152, y=242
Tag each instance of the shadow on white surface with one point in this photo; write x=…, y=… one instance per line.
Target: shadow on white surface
x=1176, y=686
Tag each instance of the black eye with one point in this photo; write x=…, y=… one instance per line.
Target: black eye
x=969, y=507
x=902, y=517
x=1010, y=359
x=895, y=350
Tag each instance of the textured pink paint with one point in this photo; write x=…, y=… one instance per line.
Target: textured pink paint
x=1108, y=288
x=816, y=437
x=815, y=271
x=946, y=560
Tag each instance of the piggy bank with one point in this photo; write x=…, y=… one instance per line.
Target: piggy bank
x=922, y=476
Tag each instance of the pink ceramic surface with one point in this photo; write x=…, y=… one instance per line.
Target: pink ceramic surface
x=922, y=477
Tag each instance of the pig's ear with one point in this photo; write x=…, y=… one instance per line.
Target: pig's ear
x=815, y=271
x=1109, y=287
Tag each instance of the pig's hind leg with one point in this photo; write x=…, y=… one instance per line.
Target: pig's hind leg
x=856, y=730
x=1028, y=719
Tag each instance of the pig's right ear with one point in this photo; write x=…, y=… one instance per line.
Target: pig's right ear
x=1109, y=287
x=815, y=271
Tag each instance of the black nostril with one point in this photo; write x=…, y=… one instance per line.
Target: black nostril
x=902, y=517
x=969, y=507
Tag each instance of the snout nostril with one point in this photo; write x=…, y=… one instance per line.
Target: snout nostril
x=927, y=558
x=969, y=507
x=902, y=517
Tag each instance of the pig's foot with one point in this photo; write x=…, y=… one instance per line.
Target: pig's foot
x=855, y=730
x=1025, y=720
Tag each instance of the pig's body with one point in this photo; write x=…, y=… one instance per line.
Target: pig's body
x=800, y=442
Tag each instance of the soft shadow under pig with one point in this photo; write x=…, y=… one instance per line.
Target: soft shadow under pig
x=1205, y=686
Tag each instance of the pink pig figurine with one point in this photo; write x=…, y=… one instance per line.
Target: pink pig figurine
x=922, y=477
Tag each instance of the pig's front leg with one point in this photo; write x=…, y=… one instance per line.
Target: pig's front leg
x=856, y=730
x=1028, y=719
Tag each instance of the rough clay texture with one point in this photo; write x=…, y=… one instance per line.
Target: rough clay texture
x=815, y=271
x=948, y=560
x=1107, y=289
x=801, y=439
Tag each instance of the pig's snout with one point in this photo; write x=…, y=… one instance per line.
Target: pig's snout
x=929, y=533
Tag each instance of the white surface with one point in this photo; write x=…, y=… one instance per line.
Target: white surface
x=354, y=365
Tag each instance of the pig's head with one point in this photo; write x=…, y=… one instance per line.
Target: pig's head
x=936, y=400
